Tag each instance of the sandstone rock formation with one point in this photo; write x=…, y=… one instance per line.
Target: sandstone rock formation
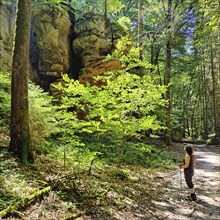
x=7, y=26
x=59, y=44
x=50, y=43
x=95, y=39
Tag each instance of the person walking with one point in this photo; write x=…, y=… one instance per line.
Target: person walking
x=188, y=166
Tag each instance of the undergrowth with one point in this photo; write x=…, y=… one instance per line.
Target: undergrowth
x=83, y=149
x=106, y=171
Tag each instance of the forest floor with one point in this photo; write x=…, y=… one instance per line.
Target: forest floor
x=145, y=194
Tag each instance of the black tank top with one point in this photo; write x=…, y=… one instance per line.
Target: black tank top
x=191, y=163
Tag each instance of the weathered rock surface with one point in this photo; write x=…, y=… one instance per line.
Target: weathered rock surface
x=7, y=25
x=50, y=43
x=61, y=45
x=95, y=39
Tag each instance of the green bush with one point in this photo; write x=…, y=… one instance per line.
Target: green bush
x=42, y=115
x=41, y=110
x=5, y=99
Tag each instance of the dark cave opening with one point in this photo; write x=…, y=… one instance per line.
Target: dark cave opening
x=75, y=63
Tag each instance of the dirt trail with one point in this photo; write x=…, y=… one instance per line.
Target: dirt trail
x=170, y=203
x=207, y=182
x=163, y=201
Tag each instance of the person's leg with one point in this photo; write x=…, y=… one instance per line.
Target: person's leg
x=192, y=194
x=188, y=178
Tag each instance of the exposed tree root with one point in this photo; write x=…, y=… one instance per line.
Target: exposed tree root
x=13, y=209
x=74, y=216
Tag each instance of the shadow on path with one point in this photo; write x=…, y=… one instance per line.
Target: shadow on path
x=207, y=182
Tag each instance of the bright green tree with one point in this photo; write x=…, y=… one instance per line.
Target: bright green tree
x=124, y=107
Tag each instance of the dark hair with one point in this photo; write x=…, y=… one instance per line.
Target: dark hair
x=189, y=149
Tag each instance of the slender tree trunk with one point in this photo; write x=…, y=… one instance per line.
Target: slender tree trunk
x=106, y=10
x=194, y=119
x=183, y=121
x=152, y=55
x=140, y=35
x=192, y=124
x=205, y=125
x=168, y=75
x=188, y=128
x=214, y=82
x=218, y=92
x=19, y=132
x=183, y=116
x=200, y=102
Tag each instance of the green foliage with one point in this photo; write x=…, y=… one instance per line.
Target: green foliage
x=121, y=174
x=125, y=23
x=123, y=108
x=131, y=152
x=210, y=10
x=96, y=6
x=128, y=55
x=52, y=2
x=60, y=5
x=42, y=115
x=70, y=155
x=83, y=7
x=4, y=99
x=114, y=6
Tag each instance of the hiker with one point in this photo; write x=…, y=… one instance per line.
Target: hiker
x=188, y=166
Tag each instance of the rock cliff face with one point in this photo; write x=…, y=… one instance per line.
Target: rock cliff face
x=94, y=40
x=50, y=43
x=59, y=44
x=7, y=24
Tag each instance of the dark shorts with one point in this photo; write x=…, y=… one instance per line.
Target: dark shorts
x=188, y=173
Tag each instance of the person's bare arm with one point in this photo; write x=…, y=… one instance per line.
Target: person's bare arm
x=187, y=160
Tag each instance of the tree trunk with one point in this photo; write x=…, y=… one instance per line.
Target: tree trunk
x=168, y=75
x=20, y=142
x=205, y=102
x=192, y=124
x=106, y=10
x=214, y=85
x=140, y=35
x=218, y=93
